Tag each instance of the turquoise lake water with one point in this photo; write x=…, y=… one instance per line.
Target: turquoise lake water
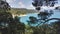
x=25, y=18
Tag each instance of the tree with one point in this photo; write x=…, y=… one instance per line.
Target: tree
x=56, y=26
x=5, y=17
x=4, y=6
x=43, y=19
x=8, y=24
x=38, y=3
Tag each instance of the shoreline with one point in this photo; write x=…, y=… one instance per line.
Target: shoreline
x=26, y=14
x=22, y=15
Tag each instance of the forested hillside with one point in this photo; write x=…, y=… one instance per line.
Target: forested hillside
x=18, y=11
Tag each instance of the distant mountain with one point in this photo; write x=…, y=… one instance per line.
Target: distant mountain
x=21, y=11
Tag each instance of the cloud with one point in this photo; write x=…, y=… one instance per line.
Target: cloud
x=10, y=1
x=30, y=7
x=21, y=5
x=12, y=6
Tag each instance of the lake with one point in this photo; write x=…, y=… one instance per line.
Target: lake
x=25, y=18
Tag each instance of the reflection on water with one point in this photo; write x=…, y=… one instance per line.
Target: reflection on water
x=25, y=18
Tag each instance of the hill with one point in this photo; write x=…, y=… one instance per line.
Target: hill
x=18, y=11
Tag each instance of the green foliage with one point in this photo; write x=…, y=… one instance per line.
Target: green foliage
x=39, y=3
x=4, y=6
x=18, y=11
x=32, y=19
x=8, y=24
x=42, y=26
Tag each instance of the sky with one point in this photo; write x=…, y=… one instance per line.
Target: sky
x=28, y=5
x=21, y=4
x=24, y=4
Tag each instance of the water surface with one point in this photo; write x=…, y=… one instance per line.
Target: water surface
x=25, y=18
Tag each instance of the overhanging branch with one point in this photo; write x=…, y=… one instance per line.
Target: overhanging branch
x=49, y=20
x=52, y=19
